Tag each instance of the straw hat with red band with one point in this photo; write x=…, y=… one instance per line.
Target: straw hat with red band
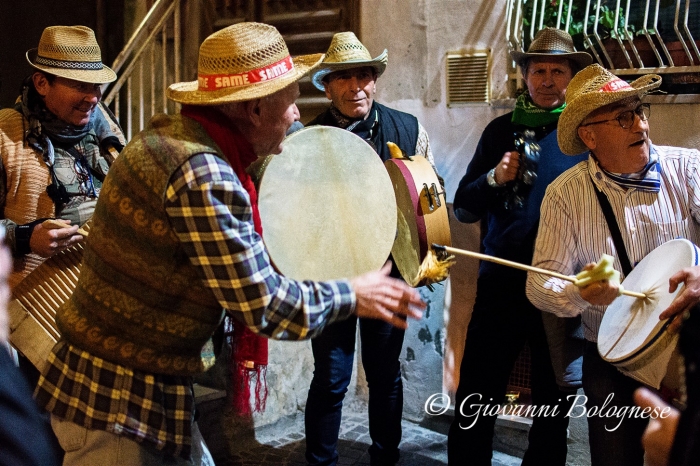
x=71, y=52
x=244, y=61
x=592, y=88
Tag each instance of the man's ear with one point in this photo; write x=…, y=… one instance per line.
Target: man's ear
x=41, y=84
x=587, y=135
x=253, y=110
x=325, y=87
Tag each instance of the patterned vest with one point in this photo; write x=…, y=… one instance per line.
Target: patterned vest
x=27, y=177
x=139, y=302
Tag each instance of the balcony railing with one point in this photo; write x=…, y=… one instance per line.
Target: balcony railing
x=149, y=62
x=626, y=36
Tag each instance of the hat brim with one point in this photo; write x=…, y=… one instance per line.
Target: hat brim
x=102, y=76
x=378, y=63
x=577, y=110
x=190, y=94
x=582, y=59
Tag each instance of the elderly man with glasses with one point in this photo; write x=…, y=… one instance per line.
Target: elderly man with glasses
x=653, y=194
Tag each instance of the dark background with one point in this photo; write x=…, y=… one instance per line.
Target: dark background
x=22, y=22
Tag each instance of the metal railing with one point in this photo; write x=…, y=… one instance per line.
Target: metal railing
x=149, y=62
x=625, y=36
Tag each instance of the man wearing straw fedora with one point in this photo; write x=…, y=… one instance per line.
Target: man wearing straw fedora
x=54, y=145
x=54, y=154
x=651, y=195
x=175, y=243
x=503, y=321
x=348, y=76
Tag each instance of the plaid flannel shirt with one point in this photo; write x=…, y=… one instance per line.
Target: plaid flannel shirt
x=213, y=220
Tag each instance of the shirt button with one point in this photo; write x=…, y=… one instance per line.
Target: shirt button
x=633, y=229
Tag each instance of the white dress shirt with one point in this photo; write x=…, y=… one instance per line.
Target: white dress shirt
x=573, y=230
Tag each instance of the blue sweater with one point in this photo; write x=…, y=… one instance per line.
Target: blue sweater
x=508, y=233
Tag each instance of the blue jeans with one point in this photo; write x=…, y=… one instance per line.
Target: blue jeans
x=502, y=322
x=610, y=446
x=334, y=352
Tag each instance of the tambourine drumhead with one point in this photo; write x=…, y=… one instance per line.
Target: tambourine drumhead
x=631, y=335
x=327, y=206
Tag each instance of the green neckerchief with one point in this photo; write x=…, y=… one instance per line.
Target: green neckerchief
x=528, y=114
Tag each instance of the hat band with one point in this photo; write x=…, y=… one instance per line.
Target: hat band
x=215, y=82
x=553, y=52
x=615, y=85
x=69, y=65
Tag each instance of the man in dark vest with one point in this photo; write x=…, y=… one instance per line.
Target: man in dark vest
x=348, y=76
x=176, y=242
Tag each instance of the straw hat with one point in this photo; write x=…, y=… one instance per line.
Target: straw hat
x=345, y=52
x=244, y=61
x=592, y=88
x=552, y=41
x=71, y=52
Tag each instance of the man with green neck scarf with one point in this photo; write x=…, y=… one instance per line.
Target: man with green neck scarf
x=503, y=320
x=56, y=146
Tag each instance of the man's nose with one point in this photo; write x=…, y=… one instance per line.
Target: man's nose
x=95, y=94
x=355, y=83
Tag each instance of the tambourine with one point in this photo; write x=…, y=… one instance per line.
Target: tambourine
x=422, y=214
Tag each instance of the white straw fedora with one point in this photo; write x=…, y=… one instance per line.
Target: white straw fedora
x=71, y=52
x=552, y=41
x=592, y=88
x=345, y=52
x=244, y=61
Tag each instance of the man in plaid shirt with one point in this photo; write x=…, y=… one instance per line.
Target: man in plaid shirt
x=176, y=238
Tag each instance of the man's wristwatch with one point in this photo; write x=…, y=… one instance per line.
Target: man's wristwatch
x=491, y=179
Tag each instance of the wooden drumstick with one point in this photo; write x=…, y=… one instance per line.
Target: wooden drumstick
x=518, y=265
x=52, y=224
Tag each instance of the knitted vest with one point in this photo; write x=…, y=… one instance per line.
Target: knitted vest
x=27, y=177
x=139, y=301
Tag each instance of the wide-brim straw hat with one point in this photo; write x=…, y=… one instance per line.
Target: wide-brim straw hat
x=241, y=62
x=345, y=52
x=592, y=88
x=552, y=42
x=71, y=52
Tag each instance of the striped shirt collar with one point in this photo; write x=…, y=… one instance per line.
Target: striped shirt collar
x=648, y=179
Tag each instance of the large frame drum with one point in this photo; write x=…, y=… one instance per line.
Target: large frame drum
x=631, y=336
x=327, y=206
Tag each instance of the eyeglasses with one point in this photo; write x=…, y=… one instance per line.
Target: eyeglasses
x=626, y=118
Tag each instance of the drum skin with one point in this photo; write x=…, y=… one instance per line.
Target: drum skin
x=631, y=336
x=421, y=221
x=327, y=206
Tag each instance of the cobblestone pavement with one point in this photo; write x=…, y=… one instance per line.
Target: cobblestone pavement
x=283, y=444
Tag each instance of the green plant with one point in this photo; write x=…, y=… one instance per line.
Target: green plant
x=606, y=19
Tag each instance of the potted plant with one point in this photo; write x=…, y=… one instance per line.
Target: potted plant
x=617, y=40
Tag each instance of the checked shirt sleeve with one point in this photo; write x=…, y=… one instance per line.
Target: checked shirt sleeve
x=211, y=214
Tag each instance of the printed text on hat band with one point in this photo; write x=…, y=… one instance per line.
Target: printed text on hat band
x=214, y=82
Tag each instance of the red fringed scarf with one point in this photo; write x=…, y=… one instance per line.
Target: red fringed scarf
x=249, y=358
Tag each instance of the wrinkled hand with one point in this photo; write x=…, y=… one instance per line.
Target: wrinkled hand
x=382, y=297
x=599, y=293
x=659, y=434
x=507, y=168
x=48, y=241
x=686, y=299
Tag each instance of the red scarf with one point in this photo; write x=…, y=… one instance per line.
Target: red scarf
x=249, y=358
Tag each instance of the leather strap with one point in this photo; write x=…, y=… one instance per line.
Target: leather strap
x=614, y=231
